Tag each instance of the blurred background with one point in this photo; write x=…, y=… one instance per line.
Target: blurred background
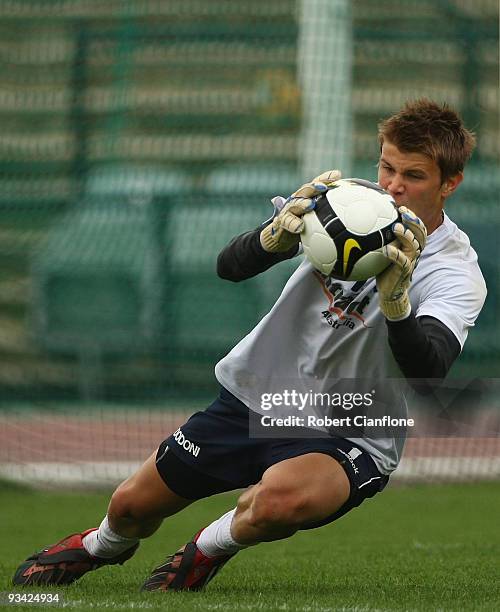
x=138, y=137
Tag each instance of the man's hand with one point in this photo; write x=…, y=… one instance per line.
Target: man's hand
x=393, y=283
x=283, y=233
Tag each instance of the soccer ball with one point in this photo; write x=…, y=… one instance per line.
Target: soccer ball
x=344, y=235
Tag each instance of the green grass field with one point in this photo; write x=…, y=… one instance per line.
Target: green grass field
x=417, y=548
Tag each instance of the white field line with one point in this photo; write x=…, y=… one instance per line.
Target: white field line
x=109, y=473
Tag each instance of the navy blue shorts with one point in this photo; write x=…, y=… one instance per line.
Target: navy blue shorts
x=212, y=453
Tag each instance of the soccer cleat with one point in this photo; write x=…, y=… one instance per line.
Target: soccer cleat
x=64, y=562
x=186, y=570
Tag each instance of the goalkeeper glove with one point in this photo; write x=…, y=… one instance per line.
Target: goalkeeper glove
x=394, y=282
x=283, y=232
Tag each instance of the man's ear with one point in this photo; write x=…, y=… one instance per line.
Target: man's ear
x=451, y=184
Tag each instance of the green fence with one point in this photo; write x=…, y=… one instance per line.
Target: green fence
x=139, y=137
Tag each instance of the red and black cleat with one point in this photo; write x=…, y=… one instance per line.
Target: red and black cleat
x=64, y=562
x=186, y=570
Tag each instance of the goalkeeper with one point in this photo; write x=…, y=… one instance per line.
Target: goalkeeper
x=410, y=322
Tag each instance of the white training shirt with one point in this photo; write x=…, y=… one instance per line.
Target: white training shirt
x=322, y=332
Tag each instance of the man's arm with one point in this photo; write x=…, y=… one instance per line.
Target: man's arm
x=423, y=347
x=245, y=257
x=277, y=239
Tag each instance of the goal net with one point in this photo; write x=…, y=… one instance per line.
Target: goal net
x=138, y=137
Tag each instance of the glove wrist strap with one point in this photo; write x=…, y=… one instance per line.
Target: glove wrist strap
x=396, y=310
x=279, y=242
x=267, y=240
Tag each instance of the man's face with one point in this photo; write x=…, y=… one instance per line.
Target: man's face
x=414, y=180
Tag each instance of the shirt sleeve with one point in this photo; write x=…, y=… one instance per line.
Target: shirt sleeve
x=454, y=297
x=423, y=347
x=244, y=257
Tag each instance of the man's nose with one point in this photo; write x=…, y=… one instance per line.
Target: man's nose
x=396, y=185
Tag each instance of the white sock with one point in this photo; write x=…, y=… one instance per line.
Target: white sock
x=216, y=539
x=105, y=543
